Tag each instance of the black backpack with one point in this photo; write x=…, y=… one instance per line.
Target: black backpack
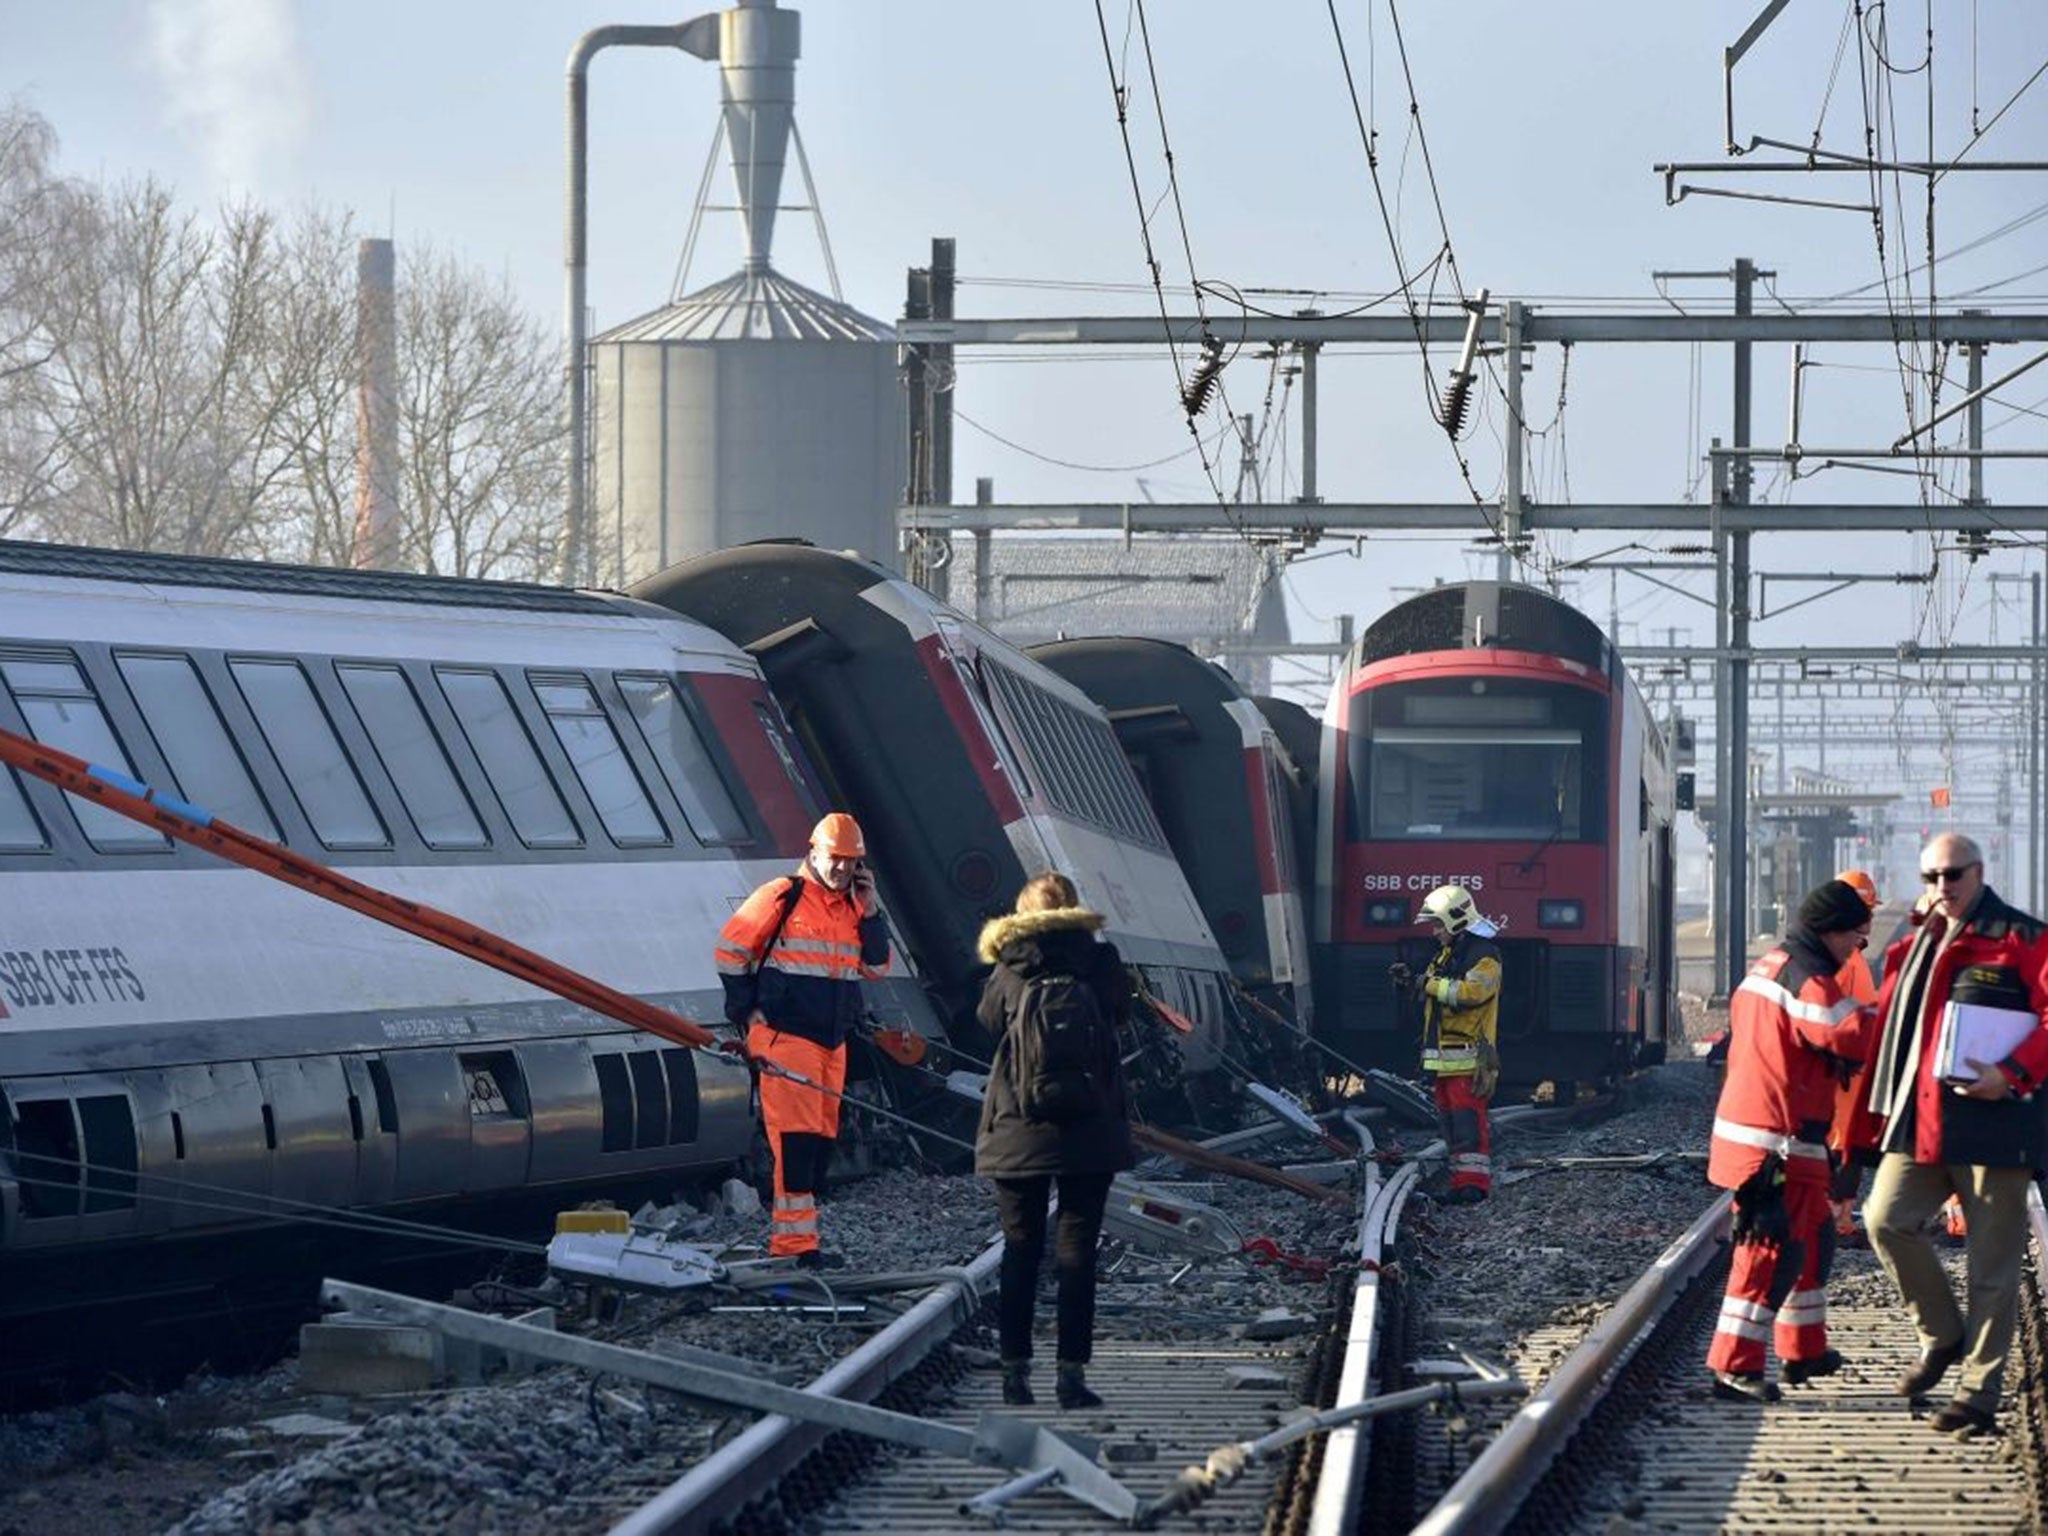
x=1061, y=1049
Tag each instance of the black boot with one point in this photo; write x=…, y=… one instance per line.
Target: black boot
x=1017, y=1383
x=1073, y=1386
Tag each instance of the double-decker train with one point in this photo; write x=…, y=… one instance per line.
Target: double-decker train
x=187, y=1047
x=1487, y=735
x=193, y=1056
x=973, y=767
x=1224, y=789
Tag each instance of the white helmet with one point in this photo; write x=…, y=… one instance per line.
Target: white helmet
x=1450, y=905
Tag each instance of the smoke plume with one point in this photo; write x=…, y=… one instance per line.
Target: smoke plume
x=235, y=79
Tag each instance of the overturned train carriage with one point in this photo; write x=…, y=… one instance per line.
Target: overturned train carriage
x=1487, y=735
x=188, y=1047
x=972, y=768
x=1223, y=787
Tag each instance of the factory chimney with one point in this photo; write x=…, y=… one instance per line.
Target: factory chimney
x=376, y=541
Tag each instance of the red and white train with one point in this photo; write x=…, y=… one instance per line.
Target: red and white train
x=1487, y=735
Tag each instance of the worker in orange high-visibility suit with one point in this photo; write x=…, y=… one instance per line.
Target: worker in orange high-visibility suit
x=1789, y=1026
x=792, y=959
x=1856, y=982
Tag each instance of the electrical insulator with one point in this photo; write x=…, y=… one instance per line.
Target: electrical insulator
x=1456, y=403
x=1201, y=381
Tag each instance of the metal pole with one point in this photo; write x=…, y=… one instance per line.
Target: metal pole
x=1511, y=495
x=917, y=305
x=1727, y=950
x=578, y=553
x=1738, y=628
x=940, y=381
x=1975, y=351
x=2038, y=822
x=1310, y=351
x=984, y=495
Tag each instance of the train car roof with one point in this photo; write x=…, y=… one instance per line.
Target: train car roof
x=1165, y=672
x=1486, y=613
x=140, y=566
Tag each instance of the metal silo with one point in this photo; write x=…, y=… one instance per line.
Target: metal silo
x=755, y=407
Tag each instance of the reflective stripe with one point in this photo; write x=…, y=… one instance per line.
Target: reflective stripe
x=1741, y=1330
x=817, y=947
x=1803, y=1317
x=1780, y=1142
x=1813, y=1013
x=832, y=970
x=1755, y=1311
x=790, y=1226
x=1475, y=1160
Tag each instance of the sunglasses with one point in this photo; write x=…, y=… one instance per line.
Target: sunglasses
x=1952, y=873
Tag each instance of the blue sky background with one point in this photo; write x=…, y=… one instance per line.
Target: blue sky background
x=994, y=124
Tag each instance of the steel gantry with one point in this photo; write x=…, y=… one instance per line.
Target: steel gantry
x=1721, y=528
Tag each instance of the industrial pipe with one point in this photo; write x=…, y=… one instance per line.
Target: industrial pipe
x=577, y=564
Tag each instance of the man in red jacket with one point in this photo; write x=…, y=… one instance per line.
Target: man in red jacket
x=1978, y=1135
x=1790, y=1029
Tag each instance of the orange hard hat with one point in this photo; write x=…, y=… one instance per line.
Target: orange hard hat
x=1859, y=881
x=838, y=836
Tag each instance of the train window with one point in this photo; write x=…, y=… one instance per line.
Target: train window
x=650, y=1099
x=1479, y=759
x=496, y=1090
x=194, y=740
x=315, y=765
x=414, y=756
x=681, y=1067
x=62, y=711
x=509, y=758
x=600, y=760
x=615, y=1095
x=1081, y=766
x=46, y=1157
x=20, y=832
x=671, y=733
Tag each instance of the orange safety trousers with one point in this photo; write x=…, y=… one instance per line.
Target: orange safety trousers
x=802, y=1124
x=1776, y=1291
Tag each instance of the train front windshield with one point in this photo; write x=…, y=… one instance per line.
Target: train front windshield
x=1478, y=760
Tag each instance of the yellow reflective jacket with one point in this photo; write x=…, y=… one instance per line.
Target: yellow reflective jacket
x=1460, y=1005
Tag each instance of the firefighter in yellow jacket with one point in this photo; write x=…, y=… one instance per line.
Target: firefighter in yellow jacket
x=792, y=959
x=1460, y=992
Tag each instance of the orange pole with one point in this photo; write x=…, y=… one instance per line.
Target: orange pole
x=189, y=824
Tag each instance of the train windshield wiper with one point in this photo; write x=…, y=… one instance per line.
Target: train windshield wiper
x=1544, y=847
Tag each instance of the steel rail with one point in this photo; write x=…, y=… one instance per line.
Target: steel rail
x=1486, y=1498
x=753, y=1462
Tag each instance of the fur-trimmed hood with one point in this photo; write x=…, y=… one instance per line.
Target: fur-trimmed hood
x=1000, y=931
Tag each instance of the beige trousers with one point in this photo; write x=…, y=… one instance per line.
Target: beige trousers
x=1904, y=1196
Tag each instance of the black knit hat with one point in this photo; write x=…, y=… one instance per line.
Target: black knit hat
x=1833, y=908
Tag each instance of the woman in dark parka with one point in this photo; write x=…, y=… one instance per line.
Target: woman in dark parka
x=1050, y=933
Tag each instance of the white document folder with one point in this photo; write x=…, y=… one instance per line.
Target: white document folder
x=1973, y=1032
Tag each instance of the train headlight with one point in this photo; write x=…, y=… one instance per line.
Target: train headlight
x=1386, y=914
x=1560, y=914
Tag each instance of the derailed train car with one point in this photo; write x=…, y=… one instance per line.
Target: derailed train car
x=1487, y=735
x=1223, y=787
x=186, y=1046
x=972, y=767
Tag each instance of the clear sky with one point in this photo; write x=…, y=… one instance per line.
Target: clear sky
x=993, y=123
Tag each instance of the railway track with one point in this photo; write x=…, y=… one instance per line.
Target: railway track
x=1624, y=1434
x=1181, y=1374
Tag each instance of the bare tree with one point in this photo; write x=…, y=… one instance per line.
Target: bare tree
x=175, y=382
x=38, y=213
x=479, y=423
